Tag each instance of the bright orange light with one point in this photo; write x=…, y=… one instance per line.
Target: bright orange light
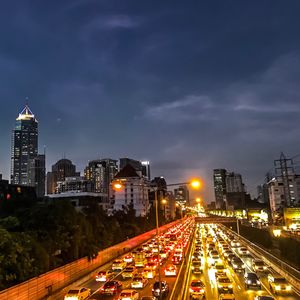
x=164, y=201
x=198, y=200
x=118, y=186
x=196, y=184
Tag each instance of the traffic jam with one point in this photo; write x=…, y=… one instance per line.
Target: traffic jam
x=222, y=267
x=217, y=266
x=148, y=272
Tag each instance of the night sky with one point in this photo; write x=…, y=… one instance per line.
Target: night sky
x=189, y=85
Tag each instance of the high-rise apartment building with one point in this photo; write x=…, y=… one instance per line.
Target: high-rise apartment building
x=37, y=174
x=60, y=170
x=101, y=172
x=182, y=195
x=277, y=194
x=220, y=187
x=24, y=146
x=139, y=166
x=234, y=183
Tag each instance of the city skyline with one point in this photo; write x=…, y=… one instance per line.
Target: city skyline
x=190, y=89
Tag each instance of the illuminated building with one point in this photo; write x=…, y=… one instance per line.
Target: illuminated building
x=134, y=193
x=220, y=187
x=60, y=170
x=24, y=146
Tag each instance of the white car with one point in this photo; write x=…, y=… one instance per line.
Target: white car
x=170, y=270
x=78, y=293
x=129, y=295
x=138, y=282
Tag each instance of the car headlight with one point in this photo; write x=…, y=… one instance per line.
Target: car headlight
x=257, y=282
x=193, y=267
x=277, y=287
x=230, y=286
x=243, y=266
x=191, y=290
x=248, y=281
x=265, y=267
x=288, y=287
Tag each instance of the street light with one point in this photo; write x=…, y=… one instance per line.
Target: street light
x=164, y=202
x=195, y=183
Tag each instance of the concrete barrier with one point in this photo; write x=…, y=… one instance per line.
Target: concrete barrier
x=47, y=285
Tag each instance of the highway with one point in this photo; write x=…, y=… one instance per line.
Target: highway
x=208, y=238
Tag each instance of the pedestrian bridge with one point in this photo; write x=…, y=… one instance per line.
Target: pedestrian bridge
x=208, y=220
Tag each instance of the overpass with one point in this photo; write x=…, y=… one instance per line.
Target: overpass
x=215, y=219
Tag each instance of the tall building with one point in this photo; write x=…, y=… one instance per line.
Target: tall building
x=277, y=194
x=146, y=169
x=24, y=146
x=182, y=195
x=234, y=183
x=134, y=193
x=60, y=170
x=220, y=187
x=37, y=174
x=101, y=172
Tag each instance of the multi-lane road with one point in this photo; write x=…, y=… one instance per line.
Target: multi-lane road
x=212, y=245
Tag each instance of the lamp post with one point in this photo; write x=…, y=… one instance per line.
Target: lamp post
x=196, y=184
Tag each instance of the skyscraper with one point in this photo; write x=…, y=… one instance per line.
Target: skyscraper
x=24, y=146
x=220, y=187
x=37, y=174
x=101, y=172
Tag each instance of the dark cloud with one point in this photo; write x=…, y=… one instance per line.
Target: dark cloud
x=189, y=86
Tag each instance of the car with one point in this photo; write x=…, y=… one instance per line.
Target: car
x=118, y=265
x=224, y=284
x=196, y=267
x=235, y=244
x=138, y=282
x=279, y=284
x=129, y=295
x=128, y=258
x=251, y=280
x=148, y=298
x=220, y=269
x=230, y=257
x=111, y=287
x=228, y=296
x=227, y=253
x=196, y=255
x=238, y=265
x=259, y=265
x=160, y=288
x=148, y=273
x=77, y=293
x=266, y=297
x=103, y=276
x=129, y=272
x=197, y=289
x=176, y=260
x=243, y=251
x=170, y=270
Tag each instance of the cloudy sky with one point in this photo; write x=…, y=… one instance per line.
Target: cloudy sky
x=189, y=85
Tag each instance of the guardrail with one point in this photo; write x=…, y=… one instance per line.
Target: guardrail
x=284, y=269
x=50, y=283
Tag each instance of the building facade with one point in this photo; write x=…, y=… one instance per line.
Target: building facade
x=37, y=174
x=181, y=195
x=277, y=195
x=220, y=187
x=134, y=192
x=60, y=170
x=101, y=173
x=24, y=146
